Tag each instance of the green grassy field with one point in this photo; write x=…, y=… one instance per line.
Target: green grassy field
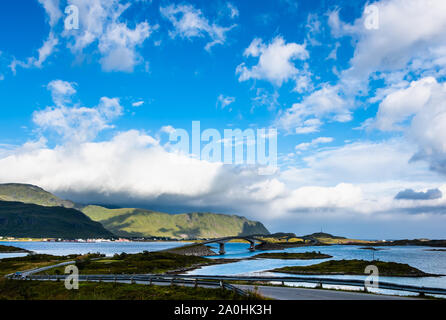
x=11, y=265
x=140, y=263
x=9, y=249
x=31, y=194
x=49, y=290
x=355, y=267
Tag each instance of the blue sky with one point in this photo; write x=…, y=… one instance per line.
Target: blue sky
x=355, y=90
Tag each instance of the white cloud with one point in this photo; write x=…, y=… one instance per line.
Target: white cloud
x=44, y=52
x=190, y=22
x=224, y=101
x=61, y=91
x=275, y=61
x=265, y=98
x=234, y=13
x=133, y=168
x=315, y=142
x=75, y=124
x=100, y=23
x=49, y=45
x=409, y=38
x=341, y=196
x=117, y=43
x=167, y=129
x=420, y=111
x=352, y=163
x=52, y=9
x=138, y=103
x=306, y=116
x=353, y=166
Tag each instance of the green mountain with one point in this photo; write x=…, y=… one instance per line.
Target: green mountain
x=129, y=222
x=31, y=194
x=19, y=219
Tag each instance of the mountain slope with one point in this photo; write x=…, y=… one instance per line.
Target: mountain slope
x=128, y=222
x=31, y=194
x=146, y=223
x=19, y=219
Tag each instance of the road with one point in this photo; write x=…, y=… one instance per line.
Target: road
x=287, y=293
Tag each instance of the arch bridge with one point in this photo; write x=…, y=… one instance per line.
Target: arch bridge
x=221, y=241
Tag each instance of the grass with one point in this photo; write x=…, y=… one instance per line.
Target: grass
x=342, y=241
x=145, y=223
x=32, y=261
x=11, y=249
x=11, y=265
x=49, y=290
x=281, y=240
x=31, y=194
x=286, y=255
x=355, y=267
x=140, y=263
x=34, y=221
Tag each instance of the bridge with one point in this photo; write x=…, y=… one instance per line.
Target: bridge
x=221, y=241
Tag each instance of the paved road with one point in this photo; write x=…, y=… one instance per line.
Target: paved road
x=287, y=293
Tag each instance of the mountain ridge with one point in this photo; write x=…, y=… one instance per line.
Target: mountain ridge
x=135, y=222
x=18, y=219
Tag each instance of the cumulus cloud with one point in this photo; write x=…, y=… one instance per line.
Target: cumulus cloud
x=341, y=196
x=419, y=110
x=409, y=38
x=100, y=22
x=409, y=194
x=75, y=123
x=132, y=168
x=275, y=60
x=189, y=22
x=61, y=91
x=353, y=165
x=306, y=116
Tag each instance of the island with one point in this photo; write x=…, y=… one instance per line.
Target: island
x=372, y=248
x=355, y=267
x=11, y=249
x=294, y=255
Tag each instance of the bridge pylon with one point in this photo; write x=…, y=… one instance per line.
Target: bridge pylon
x=222, y=248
